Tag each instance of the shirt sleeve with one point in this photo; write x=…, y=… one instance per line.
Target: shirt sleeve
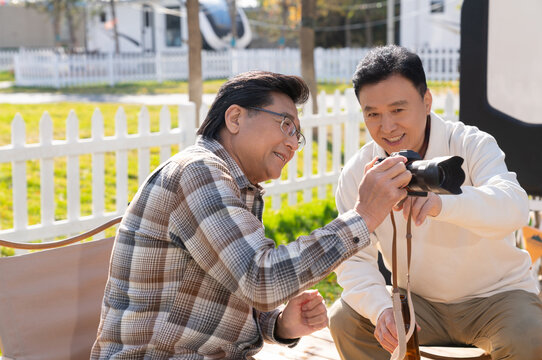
x=268, y=321
x=492, y=204
x=228, y=242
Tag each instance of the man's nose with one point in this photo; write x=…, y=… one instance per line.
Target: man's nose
x=292, y=143
x=387, y=124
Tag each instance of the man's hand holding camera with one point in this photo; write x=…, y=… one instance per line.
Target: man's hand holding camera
x=382, y=187
x=429, y=205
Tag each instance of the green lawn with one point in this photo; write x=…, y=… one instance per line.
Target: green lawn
x=6, y=76
x=176, y=87
x=290, y=222
x=139, y=88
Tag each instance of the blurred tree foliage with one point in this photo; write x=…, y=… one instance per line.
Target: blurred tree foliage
x=338, y=23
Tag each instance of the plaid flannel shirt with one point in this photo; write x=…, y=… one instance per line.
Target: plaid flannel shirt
x=192, y=275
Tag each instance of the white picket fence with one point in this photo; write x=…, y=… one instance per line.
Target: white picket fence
x=54, y=69
x=340, y=126
x=440, y=64
x=18, y=153
x=6, y=60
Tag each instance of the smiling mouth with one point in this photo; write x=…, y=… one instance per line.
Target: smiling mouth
x=280, y=156
x=394, y=139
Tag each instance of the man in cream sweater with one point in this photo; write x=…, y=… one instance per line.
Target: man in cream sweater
x=470, y=283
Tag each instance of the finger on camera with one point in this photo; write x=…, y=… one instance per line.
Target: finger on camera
x=401, y=195
x=399, y=205
x=370, y=165
x=402, y=179
x=390, y=162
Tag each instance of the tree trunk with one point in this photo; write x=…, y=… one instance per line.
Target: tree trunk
x=115, y=31
x=368, y=29
x=194, y=54
x=284, y=12
x=308, y=73
x=57, y=9
x=71, y=30
x=233, y=18
x=347, y=32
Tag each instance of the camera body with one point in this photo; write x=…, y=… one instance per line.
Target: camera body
x=442, y=175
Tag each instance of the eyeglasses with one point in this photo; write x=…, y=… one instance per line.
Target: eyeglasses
x=287, y=126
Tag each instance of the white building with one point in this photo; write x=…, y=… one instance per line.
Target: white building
x=162, y=26
x=431, y=24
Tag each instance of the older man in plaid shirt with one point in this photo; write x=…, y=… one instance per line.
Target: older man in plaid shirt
x=192, y=275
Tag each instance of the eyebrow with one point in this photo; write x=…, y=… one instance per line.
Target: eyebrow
x=398, y=103
x=292, y=119
x=288, y=115
x=395, y=103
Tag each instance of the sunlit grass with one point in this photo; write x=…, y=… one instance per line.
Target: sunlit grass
x=6, y=76
x=290, y=222
x=138, y=88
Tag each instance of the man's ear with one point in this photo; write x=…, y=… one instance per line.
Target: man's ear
x=231, y=117
x=428, y=101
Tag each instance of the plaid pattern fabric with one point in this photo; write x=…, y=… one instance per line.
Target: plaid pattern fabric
x=192, y=275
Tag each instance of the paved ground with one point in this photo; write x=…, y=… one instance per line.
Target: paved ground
x=320, y=346
x=42, y=98
x=5, y=84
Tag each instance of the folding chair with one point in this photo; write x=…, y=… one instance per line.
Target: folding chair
x=453, y=353
x=50, y=301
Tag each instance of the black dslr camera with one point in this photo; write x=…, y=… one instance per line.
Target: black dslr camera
x=442, y=175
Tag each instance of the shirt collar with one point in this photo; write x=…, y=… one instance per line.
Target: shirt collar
x=216, y=148
x=437, y=144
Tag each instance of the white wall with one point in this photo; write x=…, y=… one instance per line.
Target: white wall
x=514, y=58
x=420, y=28
x=130, y=23
x=101, y=38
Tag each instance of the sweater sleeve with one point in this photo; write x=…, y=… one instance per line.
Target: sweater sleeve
x=492, y=204
x=364, y=287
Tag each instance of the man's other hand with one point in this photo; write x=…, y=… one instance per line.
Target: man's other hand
x=381, y=188
x=303, y=315
x=386, y=331
x=423, y=206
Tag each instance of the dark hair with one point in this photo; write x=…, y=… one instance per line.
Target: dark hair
x=384, y=61
x=251, y=88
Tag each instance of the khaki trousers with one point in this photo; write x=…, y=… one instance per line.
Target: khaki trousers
x=506, y=325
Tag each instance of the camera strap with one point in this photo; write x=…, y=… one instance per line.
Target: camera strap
x=402, y=337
